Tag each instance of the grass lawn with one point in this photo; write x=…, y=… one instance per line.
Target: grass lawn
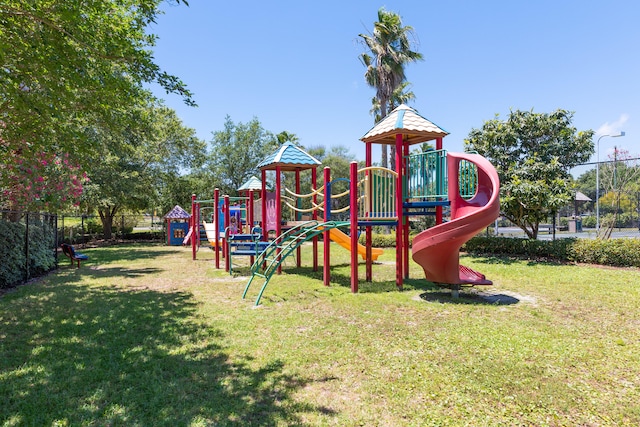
x=141, y=335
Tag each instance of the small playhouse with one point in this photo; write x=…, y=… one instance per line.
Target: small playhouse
x=177, y=225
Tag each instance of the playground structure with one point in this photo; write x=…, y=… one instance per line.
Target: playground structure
x=178, y=223
x=422, y=184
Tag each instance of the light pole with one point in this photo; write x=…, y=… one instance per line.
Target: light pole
x=615, y=135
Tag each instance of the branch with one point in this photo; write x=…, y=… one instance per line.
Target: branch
x=56, y=27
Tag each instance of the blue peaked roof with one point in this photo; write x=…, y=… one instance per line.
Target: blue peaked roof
x=289, y=157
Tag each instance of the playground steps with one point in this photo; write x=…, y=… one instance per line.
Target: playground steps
x=203, y=233
x=423, y=207
x=267, y=263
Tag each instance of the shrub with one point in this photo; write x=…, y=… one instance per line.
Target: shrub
x=41, y=252
x=145, y=235
x=94, y=226
x=11, y=253
x=589, y=221
x=557, y=249
x=381, y=240
x=616, y=252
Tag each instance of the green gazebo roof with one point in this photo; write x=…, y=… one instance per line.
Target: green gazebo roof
x=252, y=183
x=406, y=121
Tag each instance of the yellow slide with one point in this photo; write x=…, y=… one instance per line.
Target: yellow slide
x=345, y=241
x=210, y=229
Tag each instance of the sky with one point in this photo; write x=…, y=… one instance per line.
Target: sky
x=294, y=65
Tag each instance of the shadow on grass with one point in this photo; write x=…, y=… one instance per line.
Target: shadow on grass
x=489, y=259
x=73, y=355
x=468, y=297
x=126, y=253
x=505, y=260
x=105, y=272
x=375, y=286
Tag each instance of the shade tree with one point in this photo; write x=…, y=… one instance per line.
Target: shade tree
x=68, y=67
x=533, y=153
x=140, y=163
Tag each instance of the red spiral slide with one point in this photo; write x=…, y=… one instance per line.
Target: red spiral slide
x=437, y=249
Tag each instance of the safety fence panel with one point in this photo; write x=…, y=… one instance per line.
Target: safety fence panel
x=467, y=179
x=426, y=176
x=376, y=188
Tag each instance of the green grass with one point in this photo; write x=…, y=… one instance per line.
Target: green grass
x=142, y=335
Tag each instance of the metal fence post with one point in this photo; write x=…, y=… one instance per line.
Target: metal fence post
x=26, y=246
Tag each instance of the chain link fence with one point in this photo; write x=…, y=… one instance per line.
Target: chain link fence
x=87, y=229
x=606, y=203
x=28, y=246
x=30, y=241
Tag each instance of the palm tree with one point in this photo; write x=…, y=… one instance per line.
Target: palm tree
x=285, y=136
x=399, y=96
x=390, y=50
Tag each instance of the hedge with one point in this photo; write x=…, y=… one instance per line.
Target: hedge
x=11, y=253
x=41, y=253
x=615, y=252
x=559, y=249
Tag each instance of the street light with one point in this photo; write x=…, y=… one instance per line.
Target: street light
x=615, y=135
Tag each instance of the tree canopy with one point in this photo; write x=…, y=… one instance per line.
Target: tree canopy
x=237, y=150
x=139, y=163
x=533, y=153
x=69, y=66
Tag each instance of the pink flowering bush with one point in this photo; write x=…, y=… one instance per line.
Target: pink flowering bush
x=40, y=181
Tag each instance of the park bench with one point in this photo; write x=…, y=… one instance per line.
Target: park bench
x=244, y=245
x=546, y=228
x=71, y=253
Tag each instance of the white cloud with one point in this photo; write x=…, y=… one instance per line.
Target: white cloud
x=614, y=127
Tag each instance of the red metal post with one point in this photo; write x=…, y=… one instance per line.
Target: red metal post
x=250, y=218
x=326, y=273
x=298, y=216
x=216, y=223
x=405, y=227
x=227, y=221
x=250, y=211
x=399, y=197
x=194, y=224
x=353, y=202
x=439, y=208
x=368, y=236
x=263, y=202
x=278, y=209
x=314, y=199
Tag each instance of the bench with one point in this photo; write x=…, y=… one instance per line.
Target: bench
x=71, y=253
x=244, y=245
x=545, y=227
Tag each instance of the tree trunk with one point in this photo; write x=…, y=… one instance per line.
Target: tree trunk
x=392, y=158
x=106, y=217
x=385, y=156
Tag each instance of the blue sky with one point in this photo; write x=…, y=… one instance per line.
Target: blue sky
x=294, y=65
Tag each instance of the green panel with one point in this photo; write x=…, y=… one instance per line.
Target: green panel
x=284, y=245
x=426, y=176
